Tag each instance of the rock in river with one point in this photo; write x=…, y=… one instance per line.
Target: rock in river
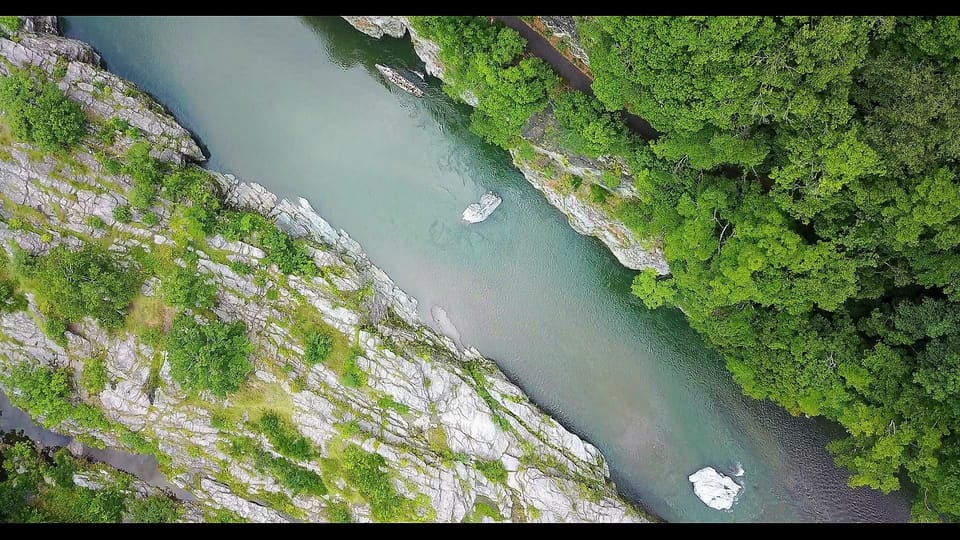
x=477, y=212
x=716, y=490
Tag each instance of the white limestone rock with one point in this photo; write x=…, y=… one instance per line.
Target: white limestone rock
x=716, y=490
x=477, y=212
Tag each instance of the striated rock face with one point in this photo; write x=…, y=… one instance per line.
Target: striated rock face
x=428, y=51
x=438, y=415
x=45, y=24
x=585, y=216
x=716, y=490
x=565, y=28
x=102, y=93
x=588, y=219
x=378, y=26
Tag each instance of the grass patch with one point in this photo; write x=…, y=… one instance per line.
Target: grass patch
x=308, y=322
x=256, y=399
x=148, y=313
x=298, y=479
x=483, y=507
x=352, y=376
x=338, y=512
x=387, y=402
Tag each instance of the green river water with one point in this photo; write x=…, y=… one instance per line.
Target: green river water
x=296, y=104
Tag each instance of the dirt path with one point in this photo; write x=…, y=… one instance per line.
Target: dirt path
x=541, y=47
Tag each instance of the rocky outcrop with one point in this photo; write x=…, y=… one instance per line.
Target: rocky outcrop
x=76, y=67
x=397, y=26
x=44, y=24
x=716, y=490
x=565, y=28
x=378, y=26
x=441, y=416
x=585, y=216
x=477, y=212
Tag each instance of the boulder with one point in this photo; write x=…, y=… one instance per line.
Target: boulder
x=477, y=212
x=716, y=490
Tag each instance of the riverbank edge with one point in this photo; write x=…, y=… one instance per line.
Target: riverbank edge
x=298, y=219
x=546, y=165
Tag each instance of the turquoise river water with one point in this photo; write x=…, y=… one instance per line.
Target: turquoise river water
x=296, y=104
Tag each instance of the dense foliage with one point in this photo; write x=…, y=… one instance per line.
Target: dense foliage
x=805, y=191
x=212, y=356
x=48, y=395
x=289, y=255
x=319, y=345
x=88, y=282
x=38, y=112
x=35, y=487
x=185, y=288
x=10, y=24
x=487, y=61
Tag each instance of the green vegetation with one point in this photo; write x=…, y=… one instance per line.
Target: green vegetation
x=155, y=509
x=38, y=112
x=363, y=471
x=289, y=255
x=318, y=347
x=588, y=129
x=806, y=195
x=47, y=394
x=10, y=299
x=94, y=376
x=122, y=213
x=292, y=476
x=10, y=24
x=35, y=488
x=352, y=376
x=388, y=402
x=487, y=60
x=95, y=221
x=89, y=282
x=212, y=356
x=284, y=437
x=492, y=469
x=185, y=288
x=338, y=512
x=804, y=191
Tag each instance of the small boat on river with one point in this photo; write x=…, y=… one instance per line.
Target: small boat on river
x=396, y=78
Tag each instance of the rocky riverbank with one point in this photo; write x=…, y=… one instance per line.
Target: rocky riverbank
x=458, y=441
x=550, y=167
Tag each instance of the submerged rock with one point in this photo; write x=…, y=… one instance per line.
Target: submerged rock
x=716, y=490
x=446, y=325
x=477, y=212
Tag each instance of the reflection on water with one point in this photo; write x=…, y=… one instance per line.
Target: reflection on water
x=297, y=105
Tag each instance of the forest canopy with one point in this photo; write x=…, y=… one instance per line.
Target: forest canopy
x=804, y=190
x=818, y=248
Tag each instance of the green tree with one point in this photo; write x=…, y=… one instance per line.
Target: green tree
x=89, y=282
x=38, y=112
x=213, y=356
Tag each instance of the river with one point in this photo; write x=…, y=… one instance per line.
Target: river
x=297, y=105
